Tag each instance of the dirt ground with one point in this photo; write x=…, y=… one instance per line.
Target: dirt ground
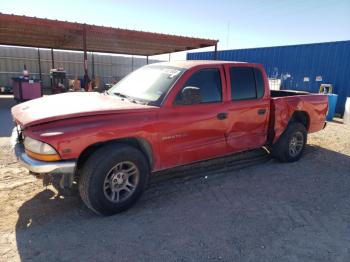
x=245, y=208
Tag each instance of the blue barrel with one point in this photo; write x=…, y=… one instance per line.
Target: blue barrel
x=332, y=102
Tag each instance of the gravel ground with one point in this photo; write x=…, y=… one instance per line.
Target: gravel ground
x=245, y=208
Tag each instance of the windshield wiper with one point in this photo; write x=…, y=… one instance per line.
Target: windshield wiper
x=121, y=95
x=131, y=99
x=137, y=101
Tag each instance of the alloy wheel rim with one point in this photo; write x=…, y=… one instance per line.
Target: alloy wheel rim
x=121, y=181
x=296, y=144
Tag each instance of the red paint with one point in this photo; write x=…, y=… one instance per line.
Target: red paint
x=177, y=135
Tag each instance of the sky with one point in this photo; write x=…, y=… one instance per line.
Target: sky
x=236, y=24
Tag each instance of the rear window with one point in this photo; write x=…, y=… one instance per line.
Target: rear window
x=246, y=83
x=242, y=83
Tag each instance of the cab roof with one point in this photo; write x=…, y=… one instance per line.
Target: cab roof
x=192, y=63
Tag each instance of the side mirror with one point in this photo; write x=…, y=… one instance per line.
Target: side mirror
x=190, y=95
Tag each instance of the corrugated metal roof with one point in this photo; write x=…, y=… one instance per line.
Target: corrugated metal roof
x=46, y=33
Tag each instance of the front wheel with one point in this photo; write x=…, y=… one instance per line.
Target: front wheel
x=113, y=179
x=291, y=144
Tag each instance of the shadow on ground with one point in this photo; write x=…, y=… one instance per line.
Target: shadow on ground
x=267, y=211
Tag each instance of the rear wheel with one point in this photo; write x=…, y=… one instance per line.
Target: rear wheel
x=291, y=144
x=113, y=179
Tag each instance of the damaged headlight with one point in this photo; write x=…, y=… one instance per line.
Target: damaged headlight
x=40, y=150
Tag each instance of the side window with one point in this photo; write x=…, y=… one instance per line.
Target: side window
x=208, y=82
x=242, y=83
x=259, y=80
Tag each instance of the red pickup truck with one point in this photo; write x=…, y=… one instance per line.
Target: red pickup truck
x=158, y=117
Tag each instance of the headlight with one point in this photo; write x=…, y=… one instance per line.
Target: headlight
x=40, y=150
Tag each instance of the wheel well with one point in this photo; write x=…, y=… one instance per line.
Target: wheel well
x=301, y=117
x=139, y=143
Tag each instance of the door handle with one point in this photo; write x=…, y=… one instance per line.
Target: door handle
x=261, y=111
x=222, y=116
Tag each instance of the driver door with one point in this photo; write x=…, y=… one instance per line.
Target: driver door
x=191, y=132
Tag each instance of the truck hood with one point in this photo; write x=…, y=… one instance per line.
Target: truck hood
x=70, y=105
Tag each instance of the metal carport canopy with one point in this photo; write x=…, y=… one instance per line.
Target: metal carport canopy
x=45, y=33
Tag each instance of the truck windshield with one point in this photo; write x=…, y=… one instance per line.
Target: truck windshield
x=148, y=84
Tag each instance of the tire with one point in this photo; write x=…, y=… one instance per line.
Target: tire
x=295, y=136
x=113, y=179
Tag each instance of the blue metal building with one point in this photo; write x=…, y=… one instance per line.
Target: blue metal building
x=300, y=67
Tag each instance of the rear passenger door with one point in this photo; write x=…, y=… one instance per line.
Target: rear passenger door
x=248, y=110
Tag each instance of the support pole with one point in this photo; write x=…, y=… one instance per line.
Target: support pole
x=147, y=60
x=216, y=51
x=52, y=67
x=132, y=63
x=39, y=65
x=52, y=59
x=86, y=76
x=169, y=56
x=93, y=65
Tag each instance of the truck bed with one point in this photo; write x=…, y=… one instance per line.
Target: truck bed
x=285, y=104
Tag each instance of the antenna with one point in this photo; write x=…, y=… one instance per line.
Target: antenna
x=228, y=34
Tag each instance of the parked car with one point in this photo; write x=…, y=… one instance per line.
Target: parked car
x=160, y=116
